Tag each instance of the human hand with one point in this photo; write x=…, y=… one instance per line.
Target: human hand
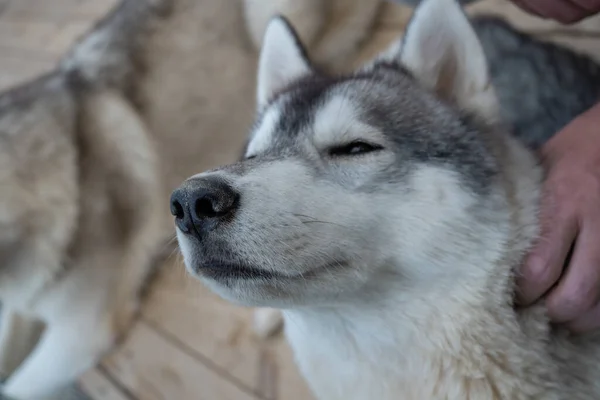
x=564, y=11
x=570, y=225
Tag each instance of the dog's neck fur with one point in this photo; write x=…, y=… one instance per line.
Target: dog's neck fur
x=444, y=341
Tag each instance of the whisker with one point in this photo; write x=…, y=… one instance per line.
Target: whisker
x=315, y=220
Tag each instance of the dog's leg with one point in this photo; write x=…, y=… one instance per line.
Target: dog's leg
x=64, y=352
x=18, y=337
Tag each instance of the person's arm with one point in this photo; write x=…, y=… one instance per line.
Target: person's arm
x=564, y=266
x=565, y=11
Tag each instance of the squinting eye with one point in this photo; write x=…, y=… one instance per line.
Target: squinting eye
x=353, y=149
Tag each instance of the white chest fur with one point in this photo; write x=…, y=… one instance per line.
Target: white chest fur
x=370, y=356
x=339, y=363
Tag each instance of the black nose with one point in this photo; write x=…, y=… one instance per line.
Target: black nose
x=200, y=204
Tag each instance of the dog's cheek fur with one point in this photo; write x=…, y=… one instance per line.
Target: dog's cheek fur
x=298, y=217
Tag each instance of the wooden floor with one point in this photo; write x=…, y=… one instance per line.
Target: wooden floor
x=188, y=344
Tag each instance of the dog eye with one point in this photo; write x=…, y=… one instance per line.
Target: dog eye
x=353, y=149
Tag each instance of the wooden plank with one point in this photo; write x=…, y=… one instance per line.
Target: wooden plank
x=388, y=29
x=27, y=35
x=220, y=332
x=96, y=385
x=18, y=66
x=151, y=368
x=92, y=9
x=24, y=10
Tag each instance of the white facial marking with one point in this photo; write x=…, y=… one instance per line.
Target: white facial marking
x=338, y=122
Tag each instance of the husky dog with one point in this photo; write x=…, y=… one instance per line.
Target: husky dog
x=386, y=213
x=540, y=86
x=78, y=229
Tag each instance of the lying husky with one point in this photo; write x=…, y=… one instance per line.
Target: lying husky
x=79, y=207
x=78, y=226
x=387, y=211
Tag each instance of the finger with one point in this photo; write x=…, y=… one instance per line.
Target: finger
x=544, y=265
x=579, y=288
x=586, y=323
x=562, y=11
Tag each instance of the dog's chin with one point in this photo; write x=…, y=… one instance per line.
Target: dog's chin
x=240, y=283
x=226, y=272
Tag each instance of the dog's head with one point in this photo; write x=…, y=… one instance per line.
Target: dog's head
x=350, y=182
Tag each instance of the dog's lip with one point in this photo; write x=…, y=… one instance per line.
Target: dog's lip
x=218, y=270
x=228, y=270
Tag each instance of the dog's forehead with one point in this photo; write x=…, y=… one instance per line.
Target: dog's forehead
x=319, y=109
x=379, y=104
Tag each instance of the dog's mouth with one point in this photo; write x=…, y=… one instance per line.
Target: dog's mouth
x=231, y=270
x=222, y=271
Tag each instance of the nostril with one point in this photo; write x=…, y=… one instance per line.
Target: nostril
x=205, y=208
x=208, y=201
x=177, y=209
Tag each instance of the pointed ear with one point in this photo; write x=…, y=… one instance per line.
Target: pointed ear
x=282, y=60
x=443, y=52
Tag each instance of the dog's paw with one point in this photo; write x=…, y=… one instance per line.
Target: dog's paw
x=267, y=322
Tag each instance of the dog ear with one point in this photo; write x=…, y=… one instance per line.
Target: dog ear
x=282, y=60
x=442, y=51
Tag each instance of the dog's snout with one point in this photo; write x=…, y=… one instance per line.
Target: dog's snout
x=199, y=205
